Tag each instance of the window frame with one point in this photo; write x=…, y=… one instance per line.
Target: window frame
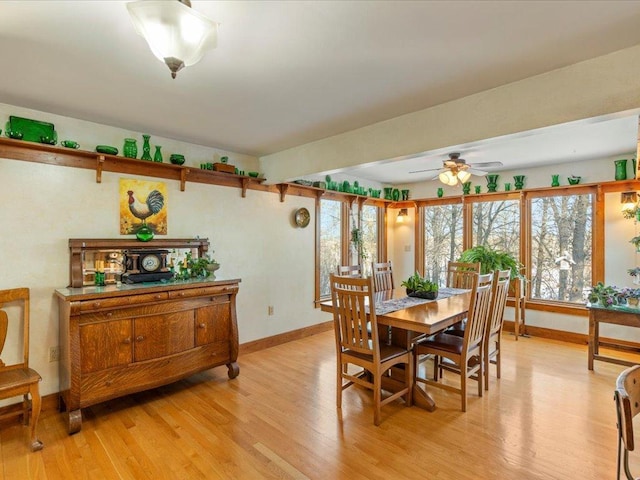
x=525, y=197
x=349, y=203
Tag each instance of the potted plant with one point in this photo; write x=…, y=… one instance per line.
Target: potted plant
x=420, y=287
x=636, y=242
x=604, y=295
x=196, y=267
x=491, y=260
x=633, y=296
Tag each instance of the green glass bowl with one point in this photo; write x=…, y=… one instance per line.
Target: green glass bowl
x=253, y=174
x=176, y=159
x=107, y=149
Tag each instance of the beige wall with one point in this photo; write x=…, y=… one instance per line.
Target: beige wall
x=42, y=206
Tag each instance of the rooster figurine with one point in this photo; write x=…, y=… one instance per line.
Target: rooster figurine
x=152, y=205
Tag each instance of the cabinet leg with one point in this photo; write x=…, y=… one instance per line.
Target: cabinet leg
x=75, y=421
x=234, y=370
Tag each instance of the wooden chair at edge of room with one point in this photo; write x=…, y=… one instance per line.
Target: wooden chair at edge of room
x=465, y=352
x=382, y=274
x=358, y=345
x=353, y=271
x=18, y=379
x=627, y=398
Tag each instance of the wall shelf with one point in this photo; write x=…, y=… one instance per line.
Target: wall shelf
x=54, y=155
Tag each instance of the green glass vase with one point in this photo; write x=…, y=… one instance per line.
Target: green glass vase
x=144, y=233
x=157, y=156
x=146, y=148
x=621, y=169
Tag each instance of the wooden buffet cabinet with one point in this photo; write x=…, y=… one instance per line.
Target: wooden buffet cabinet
x=120, y=339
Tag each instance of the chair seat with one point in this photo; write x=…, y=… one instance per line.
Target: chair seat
x=457, y=329
x=387, y=352
x=443, y=341
x=12, y=378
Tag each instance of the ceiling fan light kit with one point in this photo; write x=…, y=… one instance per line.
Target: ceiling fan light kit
x=456, y=170
x=177, y=35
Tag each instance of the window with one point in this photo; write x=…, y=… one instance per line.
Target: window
x=561, y=247
x=442, y=239
x=497, y=225
x=369, y=226
x=330, y=242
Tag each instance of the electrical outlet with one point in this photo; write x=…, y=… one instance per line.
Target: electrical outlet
x=270, y=310
x=54, y=354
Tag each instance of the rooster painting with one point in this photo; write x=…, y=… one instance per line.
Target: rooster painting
x=142, y=207
x=152, y=205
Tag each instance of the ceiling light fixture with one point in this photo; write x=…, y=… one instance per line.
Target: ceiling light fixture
x=176, y=34
x=454, y=175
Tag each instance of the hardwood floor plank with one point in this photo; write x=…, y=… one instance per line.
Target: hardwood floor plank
x=548, y=417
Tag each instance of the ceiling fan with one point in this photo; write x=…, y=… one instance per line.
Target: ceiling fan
x=457, y=169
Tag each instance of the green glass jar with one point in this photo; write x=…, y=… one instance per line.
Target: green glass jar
x=621, y=169
x=130, y=148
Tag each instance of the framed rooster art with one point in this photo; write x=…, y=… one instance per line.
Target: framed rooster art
x=143, y=205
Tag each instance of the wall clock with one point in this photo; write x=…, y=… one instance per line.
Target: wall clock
x=302, y=217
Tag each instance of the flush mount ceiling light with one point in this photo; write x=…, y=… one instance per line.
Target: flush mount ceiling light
x=177, y=35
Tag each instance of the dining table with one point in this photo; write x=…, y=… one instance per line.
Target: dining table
x=411, y=319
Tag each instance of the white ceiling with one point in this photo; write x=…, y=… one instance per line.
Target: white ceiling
x=287, y=73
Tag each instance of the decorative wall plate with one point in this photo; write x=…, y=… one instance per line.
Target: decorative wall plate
x=302, y=217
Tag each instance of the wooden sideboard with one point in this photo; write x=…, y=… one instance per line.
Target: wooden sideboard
x=120, y=339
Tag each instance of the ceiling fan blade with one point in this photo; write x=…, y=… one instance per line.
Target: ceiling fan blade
x=427, y=170
x=478, y=173
x=486, y=164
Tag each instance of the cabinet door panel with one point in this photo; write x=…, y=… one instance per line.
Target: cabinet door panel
x=212, y=323
x=105, y=345
x=160, y=335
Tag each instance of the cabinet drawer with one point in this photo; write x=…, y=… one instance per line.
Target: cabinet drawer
x=202, y=291
x=122, y=301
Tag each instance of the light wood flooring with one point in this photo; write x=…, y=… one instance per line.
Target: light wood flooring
x=547, y=418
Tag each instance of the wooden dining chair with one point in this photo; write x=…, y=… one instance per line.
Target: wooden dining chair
x=495, y=320
x=360, y=346
x=354, y=271
x=464, y=352
x=627, y=398
x=17, y=378
x=382, y=274
x=460, y=274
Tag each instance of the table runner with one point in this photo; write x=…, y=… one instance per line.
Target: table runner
x=395, y=304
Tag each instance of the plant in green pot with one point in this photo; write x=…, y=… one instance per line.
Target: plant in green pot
x=420, y=287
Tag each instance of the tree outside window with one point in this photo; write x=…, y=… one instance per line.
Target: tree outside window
x=442, y=239
x=561, y=246
x=497, y=225
x=330, y=242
